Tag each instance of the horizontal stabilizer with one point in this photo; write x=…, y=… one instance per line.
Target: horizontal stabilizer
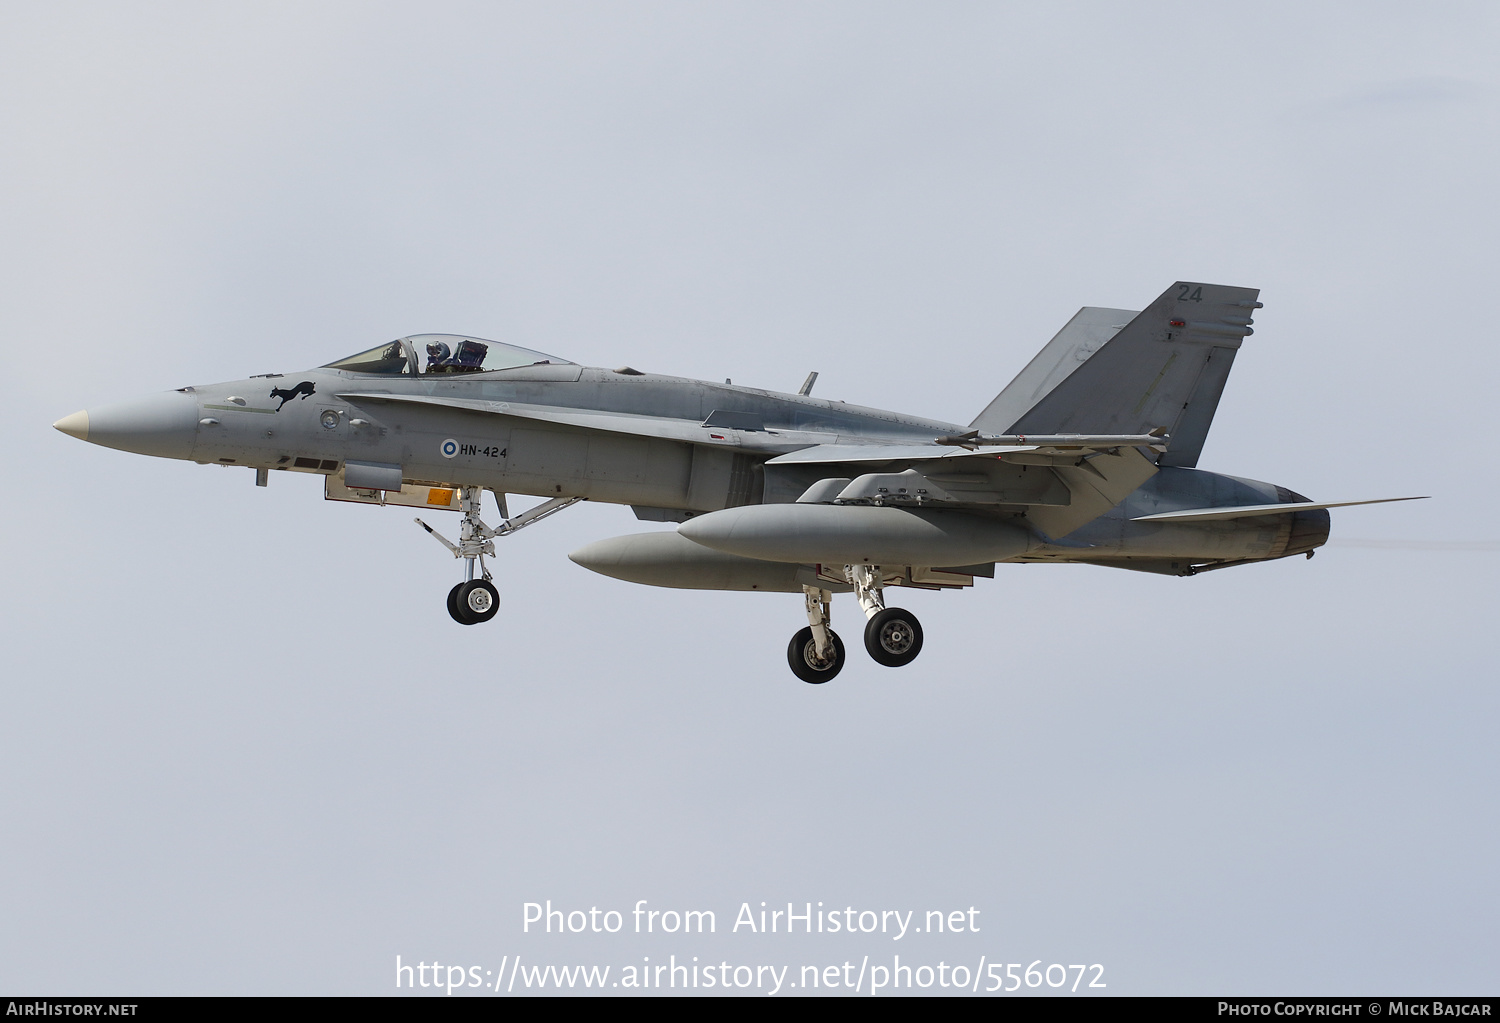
x=1247, y=510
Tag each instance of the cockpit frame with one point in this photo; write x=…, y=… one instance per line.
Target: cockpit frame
x=443, y=354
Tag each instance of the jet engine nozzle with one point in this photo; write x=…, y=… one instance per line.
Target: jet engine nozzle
x=1309, y=528
x=1309, y=531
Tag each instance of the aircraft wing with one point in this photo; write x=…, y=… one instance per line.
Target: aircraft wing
x=661, y=427
x=1062, y=447
x=1064, y=480
x=836, y=454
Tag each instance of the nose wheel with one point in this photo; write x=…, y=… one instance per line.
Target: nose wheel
x=473, y=602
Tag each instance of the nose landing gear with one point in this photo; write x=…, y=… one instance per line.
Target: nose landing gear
x=476, y=600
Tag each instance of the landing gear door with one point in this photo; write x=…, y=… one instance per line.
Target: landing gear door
x=411, y=495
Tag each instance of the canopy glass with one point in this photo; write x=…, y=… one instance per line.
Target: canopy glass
x=444, y=353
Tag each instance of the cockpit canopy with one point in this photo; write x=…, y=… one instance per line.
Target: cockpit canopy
x=443, y=353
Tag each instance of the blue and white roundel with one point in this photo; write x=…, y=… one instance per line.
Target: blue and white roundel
x=449, y=448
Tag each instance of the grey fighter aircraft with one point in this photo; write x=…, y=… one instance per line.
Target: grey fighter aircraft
x=1089, y=455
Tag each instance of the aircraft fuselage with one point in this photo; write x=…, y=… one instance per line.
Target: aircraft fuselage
x=302, y=422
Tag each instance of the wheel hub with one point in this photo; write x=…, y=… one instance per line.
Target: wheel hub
x=896, y=637
x=810, y=655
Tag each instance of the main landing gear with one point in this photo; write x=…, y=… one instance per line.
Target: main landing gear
x=476, y=600
x=893, y=636
x=816, y=654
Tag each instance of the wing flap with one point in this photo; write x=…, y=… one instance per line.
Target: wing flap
x=1096, y=485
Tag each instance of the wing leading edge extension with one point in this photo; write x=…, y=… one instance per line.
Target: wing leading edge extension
x=712, y=433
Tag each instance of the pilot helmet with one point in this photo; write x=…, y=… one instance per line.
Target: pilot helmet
x=437, y=352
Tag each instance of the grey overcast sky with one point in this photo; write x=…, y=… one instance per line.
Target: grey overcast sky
x=245, y=749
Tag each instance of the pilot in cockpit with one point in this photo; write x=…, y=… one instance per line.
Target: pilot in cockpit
x=439, y=357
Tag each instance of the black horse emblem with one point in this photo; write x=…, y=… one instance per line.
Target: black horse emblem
x=286, y=394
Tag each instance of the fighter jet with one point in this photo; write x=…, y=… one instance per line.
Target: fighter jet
x=1089, y=455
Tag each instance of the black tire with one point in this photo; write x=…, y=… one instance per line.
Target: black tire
x=477, y=601
x=894, y=637
x=453, y=609
x=802, y=655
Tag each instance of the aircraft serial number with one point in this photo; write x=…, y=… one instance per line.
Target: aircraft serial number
x=482, y=452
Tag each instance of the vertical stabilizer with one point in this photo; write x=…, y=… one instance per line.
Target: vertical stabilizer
x=1080, y=338
x=1165, y=369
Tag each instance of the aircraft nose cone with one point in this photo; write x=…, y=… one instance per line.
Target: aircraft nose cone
x=76, y=425
x=165, y=425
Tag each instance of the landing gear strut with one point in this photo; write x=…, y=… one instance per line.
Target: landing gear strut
x=816, y=654
x=893, y=636
x=476, y=600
